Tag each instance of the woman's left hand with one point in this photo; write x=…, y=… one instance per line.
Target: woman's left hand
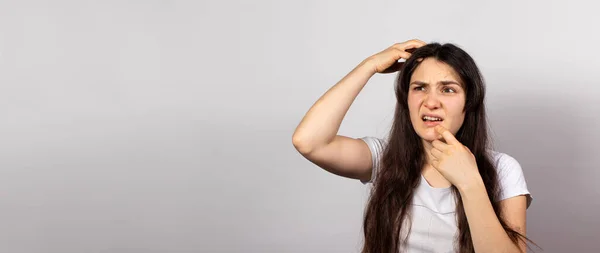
x=454, y=160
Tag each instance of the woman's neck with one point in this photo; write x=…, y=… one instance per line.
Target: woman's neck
x=427, y=146
x=431, y=175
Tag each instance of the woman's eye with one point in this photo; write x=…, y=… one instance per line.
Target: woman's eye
x=419, y=88
x=449, y=90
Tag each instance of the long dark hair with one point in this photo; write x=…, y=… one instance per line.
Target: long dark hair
x=404, y=157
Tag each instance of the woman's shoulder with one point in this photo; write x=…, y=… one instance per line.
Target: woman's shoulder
x=503, y=160
x=510, y=175
x=505, y=164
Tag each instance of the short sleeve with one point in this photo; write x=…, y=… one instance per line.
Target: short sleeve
x=376, y=146
x=512, y=179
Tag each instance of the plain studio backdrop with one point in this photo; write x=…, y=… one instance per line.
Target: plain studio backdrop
x=165, y=126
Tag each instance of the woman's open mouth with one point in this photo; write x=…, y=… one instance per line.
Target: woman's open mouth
x=432, y=121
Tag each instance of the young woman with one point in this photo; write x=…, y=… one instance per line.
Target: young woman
x=437, y=185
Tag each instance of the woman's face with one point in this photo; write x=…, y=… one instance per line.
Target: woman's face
x=435, y=96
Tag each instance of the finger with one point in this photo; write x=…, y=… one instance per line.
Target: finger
x=436, y=153
x=430, y=157
x=400, y=54
x=469, y=150
x=405, y=47
x=435, y=164
x=410, y=50
x=439, y=145
x=419, y=41
x=414, y=46
x=448, y=137
x=410, y=44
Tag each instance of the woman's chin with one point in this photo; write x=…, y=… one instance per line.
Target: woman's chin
x=429, y=139
x=430, y=136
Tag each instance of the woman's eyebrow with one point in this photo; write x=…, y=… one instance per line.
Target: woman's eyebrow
x=418, y=83
x=449, y=82
x=445, y=82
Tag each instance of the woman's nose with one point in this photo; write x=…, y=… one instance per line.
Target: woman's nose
x=431, y=102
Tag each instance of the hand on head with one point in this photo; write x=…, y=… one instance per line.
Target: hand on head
x=387, y=61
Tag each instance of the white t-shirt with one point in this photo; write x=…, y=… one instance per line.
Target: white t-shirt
x=433, y=219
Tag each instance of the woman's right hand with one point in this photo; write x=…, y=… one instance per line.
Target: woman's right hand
x=386, y=61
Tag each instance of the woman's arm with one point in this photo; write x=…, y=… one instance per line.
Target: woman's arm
x=487, y=233
x=458, y=165
x=316, y=136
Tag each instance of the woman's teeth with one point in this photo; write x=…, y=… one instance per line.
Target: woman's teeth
x=428, y=118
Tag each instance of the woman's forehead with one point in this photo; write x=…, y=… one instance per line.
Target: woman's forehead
x=432, y=71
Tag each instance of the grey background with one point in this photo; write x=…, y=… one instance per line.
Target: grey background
x=165, y=126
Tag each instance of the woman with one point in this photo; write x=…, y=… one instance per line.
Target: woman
x=437, y=187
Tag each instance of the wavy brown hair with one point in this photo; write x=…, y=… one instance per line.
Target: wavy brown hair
x=404, y=157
